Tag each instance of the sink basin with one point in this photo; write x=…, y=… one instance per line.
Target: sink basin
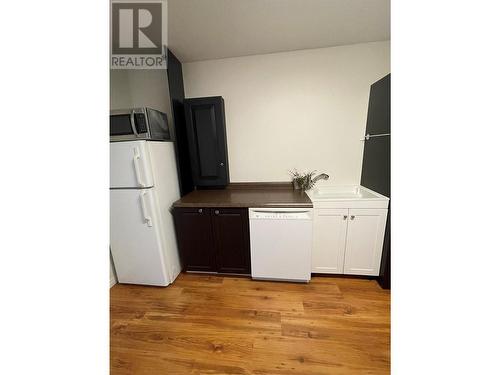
x=343, y=192
x=361, y=196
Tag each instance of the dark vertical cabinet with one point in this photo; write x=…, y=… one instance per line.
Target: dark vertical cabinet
x=176, y=89
x=376, y=171
x=206, y=136
x=213, y=239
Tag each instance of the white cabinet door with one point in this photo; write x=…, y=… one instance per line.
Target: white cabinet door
x=130, y=165
x=329, y=236
x=365, y=238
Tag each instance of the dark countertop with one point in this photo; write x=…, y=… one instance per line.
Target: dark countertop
x=247, y=195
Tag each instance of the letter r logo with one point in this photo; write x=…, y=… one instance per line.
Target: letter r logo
x=136, y=28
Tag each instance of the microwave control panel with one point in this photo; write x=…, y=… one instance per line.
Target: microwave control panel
x=140, y=123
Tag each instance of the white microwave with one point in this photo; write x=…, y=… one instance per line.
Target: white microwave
x=138, y=123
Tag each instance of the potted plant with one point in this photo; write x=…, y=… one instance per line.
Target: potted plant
x=306, y=181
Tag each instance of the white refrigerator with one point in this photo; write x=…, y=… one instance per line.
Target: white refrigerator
x=143, y=186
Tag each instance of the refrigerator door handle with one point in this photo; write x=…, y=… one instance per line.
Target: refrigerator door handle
x=145, y=212
x=137, y=167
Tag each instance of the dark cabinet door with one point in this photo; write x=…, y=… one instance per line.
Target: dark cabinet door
x=206, y=133
x=376, y=171
x=379, y=107
x=195, y=239
x=232, y=241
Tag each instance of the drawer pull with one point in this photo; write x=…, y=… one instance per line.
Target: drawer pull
x=200, y=210
x=352, y=217
x=216, y=212
x=345, y=217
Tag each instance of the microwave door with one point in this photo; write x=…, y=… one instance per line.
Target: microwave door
x=121, y=126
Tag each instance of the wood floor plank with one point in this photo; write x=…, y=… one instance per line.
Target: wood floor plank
x=306, y=356
x=205, y=324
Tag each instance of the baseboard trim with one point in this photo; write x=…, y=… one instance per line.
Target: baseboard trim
x=112, y=281
x=343, y=276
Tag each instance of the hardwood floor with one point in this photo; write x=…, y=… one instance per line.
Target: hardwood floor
x=228, y=325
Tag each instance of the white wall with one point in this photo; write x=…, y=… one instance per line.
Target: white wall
x=135, y=88
x=139, y=88
x=119, y=90
x=303, y=109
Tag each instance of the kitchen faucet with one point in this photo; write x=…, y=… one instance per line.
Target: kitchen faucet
x=322, y=176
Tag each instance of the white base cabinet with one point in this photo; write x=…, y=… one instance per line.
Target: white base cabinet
x=348, y=230
x=348, y=241
x=364, y=241
x=329, y=236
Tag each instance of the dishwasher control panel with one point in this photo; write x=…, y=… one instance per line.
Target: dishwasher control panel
x=280, y=214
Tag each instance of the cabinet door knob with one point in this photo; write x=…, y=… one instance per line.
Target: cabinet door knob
x=221, y=164
x=200, y=210
x=352, y=217
x=216, y=212
x=345, y=217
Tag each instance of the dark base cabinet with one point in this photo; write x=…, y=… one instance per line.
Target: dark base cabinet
x=195, y=239
x=213, y=239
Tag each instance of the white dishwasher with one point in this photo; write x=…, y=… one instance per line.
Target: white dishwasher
x=281, y=243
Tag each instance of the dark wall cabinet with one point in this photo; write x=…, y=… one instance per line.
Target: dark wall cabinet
x=213, y=239
x=206, y=135
x=176, y=88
